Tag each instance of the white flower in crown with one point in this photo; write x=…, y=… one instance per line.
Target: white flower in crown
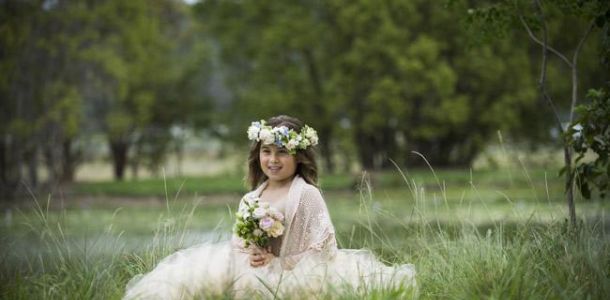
x=292, y=144
x=314, y=140
x=304, y=143
x=311, y=134
x=266, y=136
x=253, y=130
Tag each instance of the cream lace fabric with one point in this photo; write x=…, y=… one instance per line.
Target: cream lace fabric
x=308, y=262
x=308, y=226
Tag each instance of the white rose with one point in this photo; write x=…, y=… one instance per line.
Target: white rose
x=257, y=232
x=266, y=136
x=277, y=229
x=263, y=204
x=242, y=206
x=259, y=212
x=251, y=200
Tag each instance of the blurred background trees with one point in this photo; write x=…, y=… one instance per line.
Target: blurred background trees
x=377, y=79
x=71, y=69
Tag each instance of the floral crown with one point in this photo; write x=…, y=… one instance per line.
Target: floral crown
x=282, y=136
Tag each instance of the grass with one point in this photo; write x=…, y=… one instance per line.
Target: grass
x=470, y=235
x=331, y=182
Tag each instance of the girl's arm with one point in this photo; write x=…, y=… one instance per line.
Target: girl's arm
x=311, y=232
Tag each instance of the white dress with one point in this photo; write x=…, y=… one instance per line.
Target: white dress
x=308, y=262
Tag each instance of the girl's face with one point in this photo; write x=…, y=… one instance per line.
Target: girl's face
x=279, y=165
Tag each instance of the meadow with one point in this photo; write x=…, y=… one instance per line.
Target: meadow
x=498, y=234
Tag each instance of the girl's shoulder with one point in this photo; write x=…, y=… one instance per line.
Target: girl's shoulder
x=310, y=191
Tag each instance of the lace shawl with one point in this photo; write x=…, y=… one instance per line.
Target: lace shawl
x=308, y=228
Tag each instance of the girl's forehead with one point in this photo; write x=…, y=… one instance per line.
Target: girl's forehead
x=272, y=147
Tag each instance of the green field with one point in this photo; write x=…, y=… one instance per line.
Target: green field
x=486, y=234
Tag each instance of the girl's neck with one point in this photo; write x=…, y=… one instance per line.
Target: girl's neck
x=277, y=185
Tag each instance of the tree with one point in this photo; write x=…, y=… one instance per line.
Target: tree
x=534, y=19
x=41, y=63
x=389, y=77
x=408, y=82
x=133, y=67
x=271, y=55
x=73, y=68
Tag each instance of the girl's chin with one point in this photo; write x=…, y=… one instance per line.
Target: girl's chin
x=277, y=177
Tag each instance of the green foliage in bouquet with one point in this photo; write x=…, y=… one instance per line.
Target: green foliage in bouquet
x=244, y=228
x=257, y=222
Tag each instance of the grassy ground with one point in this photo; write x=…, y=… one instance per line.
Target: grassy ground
x=491, y=234
x=391, y=179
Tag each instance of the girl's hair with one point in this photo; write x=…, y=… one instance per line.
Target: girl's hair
x=306, y=159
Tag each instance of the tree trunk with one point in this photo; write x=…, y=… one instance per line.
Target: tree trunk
x=326, y=151
x=69, y=161
x=567, y=155
x=119, y=150
x=52, y=162
x=365, y=150
x=32, y=164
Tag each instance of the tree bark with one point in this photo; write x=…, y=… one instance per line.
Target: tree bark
x=569, y=186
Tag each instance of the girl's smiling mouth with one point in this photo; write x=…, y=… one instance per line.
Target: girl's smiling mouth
x=274, y=168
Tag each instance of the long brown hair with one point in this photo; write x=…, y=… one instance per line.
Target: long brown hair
x=306, y=159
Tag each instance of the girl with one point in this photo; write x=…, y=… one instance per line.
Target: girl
x=302, y=261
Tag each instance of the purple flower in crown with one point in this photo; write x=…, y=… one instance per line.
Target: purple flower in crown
x=284, y=130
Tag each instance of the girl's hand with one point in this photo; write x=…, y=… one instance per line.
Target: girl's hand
x=260, y=256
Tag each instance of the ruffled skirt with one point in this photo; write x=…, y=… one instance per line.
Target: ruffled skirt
x=218, y=270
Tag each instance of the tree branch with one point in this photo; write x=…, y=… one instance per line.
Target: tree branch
x=575, y=69
x=543, y=64
x=544, y=44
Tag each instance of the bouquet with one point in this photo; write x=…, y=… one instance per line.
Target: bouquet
x=257, y=222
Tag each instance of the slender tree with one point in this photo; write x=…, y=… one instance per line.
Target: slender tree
x=534, y=17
